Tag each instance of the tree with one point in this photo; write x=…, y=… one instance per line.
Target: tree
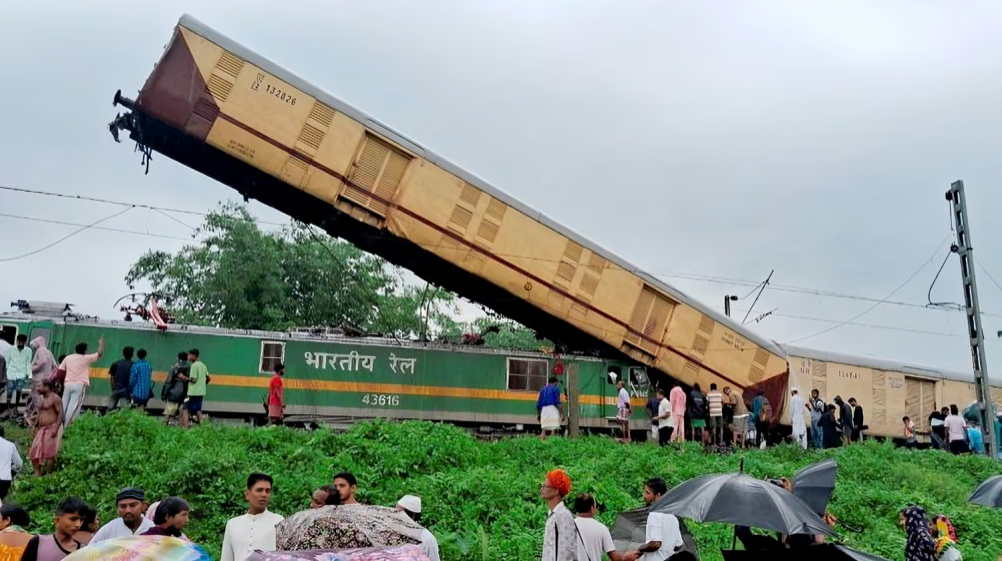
x=497, y=331
x=239, y=276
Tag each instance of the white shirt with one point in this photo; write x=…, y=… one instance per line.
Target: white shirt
x=955, y=427
x=624, y=399
x=10, y=460
x=117, y=529
x=429, y=546
x=662, y=528
x=797, y=414
x=664, y=410
x=596, y=539
x=249, y=533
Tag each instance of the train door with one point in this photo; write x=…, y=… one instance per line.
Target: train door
x=920, y=401
x=8, y=332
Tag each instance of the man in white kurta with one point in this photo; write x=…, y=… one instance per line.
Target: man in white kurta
x=254, y=531
x=797, y=419
x=411, y=506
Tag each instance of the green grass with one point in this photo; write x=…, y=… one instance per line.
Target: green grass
x=480, y=499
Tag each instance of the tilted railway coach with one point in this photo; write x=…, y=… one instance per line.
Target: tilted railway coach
x=221, y=109
x=332, y=379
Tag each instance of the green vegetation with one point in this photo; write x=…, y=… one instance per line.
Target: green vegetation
x=480, y=499
x=239, y=276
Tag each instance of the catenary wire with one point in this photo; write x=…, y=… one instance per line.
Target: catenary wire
x=925, y=263
x=102, y=228
x=659, y=273
x=66, y=237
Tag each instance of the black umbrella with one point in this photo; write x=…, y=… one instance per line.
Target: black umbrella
x=821, y=552
x=814, y=484
x=738, y=498
x=630, y=531
x=988, y=493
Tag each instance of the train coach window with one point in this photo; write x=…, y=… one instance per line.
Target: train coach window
x=272, y=353
x=8, y=333
x=638, y=377
x=526, y=374
x=613, y=374
x=42, y=332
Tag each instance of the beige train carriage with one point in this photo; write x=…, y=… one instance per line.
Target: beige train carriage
x=886, y=390
x=209, y=94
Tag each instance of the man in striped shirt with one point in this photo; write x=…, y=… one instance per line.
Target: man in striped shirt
x=141, y=380
x=715, y=399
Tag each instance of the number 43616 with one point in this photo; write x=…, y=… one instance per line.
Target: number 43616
x=381, y=400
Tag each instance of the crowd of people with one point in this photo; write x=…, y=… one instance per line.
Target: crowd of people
x=77, y=525
x=722, y=418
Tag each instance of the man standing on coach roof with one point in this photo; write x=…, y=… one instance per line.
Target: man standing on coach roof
x=77, y=367
x=131, y=503
x=198, y=374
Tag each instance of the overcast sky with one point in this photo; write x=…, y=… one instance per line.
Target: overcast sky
x=813, y=138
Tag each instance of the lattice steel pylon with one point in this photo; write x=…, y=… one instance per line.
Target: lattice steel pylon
x=964, y=249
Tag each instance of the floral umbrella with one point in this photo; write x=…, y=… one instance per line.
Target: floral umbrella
x=141, y=548
x=345, y=527
x=399, y=553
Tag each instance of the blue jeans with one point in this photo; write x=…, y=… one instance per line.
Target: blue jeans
x=14, y=388
x=816, y=435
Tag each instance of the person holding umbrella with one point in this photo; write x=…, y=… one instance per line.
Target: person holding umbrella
x=664, y=537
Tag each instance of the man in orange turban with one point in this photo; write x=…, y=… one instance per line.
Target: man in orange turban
x=560, y=537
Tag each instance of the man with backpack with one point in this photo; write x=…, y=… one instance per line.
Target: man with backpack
x=175, y=388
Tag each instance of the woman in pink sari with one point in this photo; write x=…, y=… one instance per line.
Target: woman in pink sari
x=42, y=366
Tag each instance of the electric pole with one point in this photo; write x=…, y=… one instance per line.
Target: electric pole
x=963, y=248
x=727, y=304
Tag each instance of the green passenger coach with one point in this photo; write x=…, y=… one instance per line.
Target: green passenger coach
x=339, y=379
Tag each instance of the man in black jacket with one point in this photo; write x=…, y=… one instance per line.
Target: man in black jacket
x=857, y=420
x=844, y=419
x=119, y=373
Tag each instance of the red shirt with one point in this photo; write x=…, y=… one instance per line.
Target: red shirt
x=276, y=391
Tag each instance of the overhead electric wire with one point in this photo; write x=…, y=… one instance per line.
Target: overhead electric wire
x=928, y=295
x=64, y=238
x=868, y=325
x=985, y=271
x=102, y=228
x=871, y=308
x=665, y=274
x=160, y=209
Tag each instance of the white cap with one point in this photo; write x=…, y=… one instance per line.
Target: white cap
x=411, y=503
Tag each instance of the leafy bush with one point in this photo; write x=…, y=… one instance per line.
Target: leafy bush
x=480, y=499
